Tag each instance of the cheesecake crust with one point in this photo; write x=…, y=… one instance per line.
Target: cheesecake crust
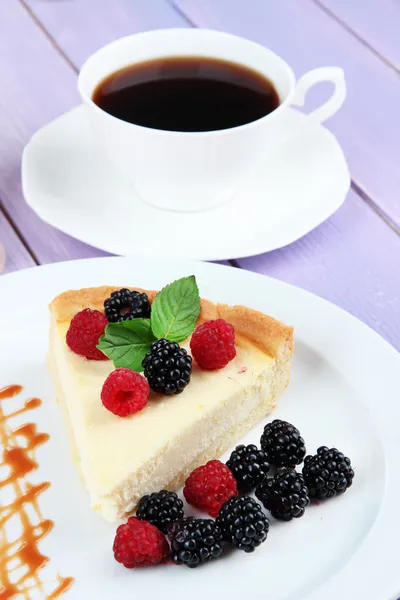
x=265, y=332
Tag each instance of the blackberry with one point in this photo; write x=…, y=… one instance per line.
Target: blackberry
x=285, y=495
x=328, y=473
x=283, y=444
x=160, y=509
x=249, y=465
x=243, y=523
x=167, y=367
x=124, y=305
x=194, y=541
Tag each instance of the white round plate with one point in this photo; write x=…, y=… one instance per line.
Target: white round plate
x=344, y=393
x=68, y=184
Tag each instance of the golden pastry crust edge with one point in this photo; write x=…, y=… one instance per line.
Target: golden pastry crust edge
x=268, y=334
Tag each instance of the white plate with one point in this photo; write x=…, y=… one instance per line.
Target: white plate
x=344, y=392
x=68, y=184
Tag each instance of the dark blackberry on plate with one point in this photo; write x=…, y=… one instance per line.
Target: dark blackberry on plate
x=194, y=541
x=160, y=509
x=249, y=465
x=243, y=523
x=283, y=444
x=124, y=305
x=285, y=495
x=328, y=473
x=167, y=367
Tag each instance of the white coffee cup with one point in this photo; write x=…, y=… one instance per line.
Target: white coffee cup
x=190, y=171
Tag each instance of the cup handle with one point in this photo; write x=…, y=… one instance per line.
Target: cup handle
x=331, y=106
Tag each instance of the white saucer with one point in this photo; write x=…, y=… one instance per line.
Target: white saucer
x=68, y=184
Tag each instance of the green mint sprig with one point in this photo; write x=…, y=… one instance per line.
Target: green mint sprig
x=127, y=343
x=174, y=313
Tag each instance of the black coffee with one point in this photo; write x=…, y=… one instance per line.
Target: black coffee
x=187, y=94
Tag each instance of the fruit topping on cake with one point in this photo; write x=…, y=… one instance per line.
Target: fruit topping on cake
x=84, y=332
x=124, y=305
x=167, y=367
x=124, y=392
x=213, y=344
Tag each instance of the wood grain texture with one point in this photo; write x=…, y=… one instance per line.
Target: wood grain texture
x=80, y=27
x=351, y=260
x=375, y=22
x=368, y=125
x=16, y=255
x=37, y=85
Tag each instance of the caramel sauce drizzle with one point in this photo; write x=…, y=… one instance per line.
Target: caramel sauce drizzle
x=22, y=555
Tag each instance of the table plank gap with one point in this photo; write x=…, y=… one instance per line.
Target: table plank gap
x=377, y=210
x=81, y=28
x=377, y=23
x=48, y=35
x=234, y=263
x=182, y=13
x=359, y=37
x=24, y=242
x=14, y=255
x=350, y=260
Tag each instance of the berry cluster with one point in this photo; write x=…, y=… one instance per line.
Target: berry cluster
x=239, y=520
x=167, y=367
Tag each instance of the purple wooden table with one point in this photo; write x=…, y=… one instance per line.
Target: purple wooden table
x=352, y=259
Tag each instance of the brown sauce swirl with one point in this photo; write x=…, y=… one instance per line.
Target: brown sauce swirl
x=19, y=460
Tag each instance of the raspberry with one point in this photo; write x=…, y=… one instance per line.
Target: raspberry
x=84, y=332
x=124, y=392
x=139, y=544
x=213, y=344
x=209, y=486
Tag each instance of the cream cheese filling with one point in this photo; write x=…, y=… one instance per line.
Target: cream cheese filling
x=121, y=459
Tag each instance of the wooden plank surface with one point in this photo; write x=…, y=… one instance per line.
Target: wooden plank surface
x=377, y=22
x=351, y=260
x=80, y=27
x=36, y=86
x=13, y=253
x=300, y=31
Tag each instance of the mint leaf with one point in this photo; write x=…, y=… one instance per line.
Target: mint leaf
x=127, y=343
x=175, y=310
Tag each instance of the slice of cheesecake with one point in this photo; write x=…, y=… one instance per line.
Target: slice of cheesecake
x=121, y=459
